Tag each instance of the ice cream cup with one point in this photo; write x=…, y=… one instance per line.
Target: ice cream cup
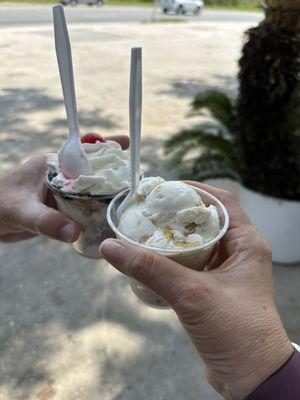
x=89, y=212
x=195, y=258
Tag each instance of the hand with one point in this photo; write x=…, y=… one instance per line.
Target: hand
x=28, y=209
x=228, y=311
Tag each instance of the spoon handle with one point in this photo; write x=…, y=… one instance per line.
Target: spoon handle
x=135, y=113
x=135, y=118
x=64, y=58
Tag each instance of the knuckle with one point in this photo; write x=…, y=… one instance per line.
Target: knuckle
x=46, y=223
x=12, y=215
x=257, y=244
x=266, y=248
x=39, y=222
x=13, y=210
x=190, y=294
x=143, y=266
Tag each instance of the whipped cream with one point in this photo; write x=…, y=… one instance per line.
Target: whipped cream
x=169, y=215
x=111, y=166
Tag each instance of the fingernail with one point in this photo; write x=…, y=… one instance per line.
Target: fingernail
x=112, y=251
x=67, y=233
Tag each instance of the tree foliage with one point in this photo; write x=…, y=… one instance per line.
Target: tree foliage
x=268, y=107
x=214, y=141
x=257, y=137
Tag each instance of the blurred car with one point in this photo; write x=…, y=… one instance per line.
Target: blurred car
x=88, y=2
x=181, y=6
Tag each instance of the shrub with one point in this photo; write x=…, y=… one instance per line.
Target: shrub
x=257, y=137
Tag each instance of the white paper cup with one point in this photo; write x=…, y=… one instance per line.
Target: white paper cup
x=195, y=258
x=89, y=212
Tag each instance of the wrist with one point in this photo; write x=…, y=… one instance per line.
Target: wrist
x=259, y=356
x=267, y=366
x=284, y=384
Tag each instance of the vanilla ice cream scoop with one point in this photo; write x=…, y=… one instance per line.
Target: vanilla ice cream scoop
x=168, y=198
x=169, y=215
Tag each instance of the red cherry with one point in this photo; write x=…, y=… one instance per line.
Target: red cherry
x=92, y=138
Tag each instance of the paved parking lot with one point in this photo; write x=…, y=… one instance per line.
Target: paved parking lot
x=70, y=327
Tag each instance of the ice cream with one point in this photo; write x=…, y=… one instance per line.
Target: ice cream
x=179, y=221
x=86, y=199
x=111, y=166
x=169, y=215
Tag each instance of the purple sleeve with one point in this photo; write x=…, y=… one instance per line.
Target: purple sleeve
x=283, y=385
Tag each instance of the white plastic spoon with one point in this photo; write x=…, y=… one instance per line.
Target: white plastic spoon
x=72, y=158
x=135, y=119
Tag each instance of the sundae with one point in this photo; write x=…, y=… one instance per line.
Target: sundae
x=86, y=198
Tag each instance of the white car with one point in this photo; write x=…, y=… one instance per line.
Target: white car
x=181, y=6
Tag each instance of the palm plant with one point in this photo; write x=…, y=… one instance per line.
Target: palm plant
x=256, y=138
x=208, y=150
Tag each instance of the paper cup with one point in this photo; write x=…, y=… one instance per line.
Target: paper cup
x=195, y=258
x=90, y=214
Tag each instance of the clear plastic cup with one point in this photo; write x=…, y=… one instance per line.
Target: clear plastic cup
x=195, y=258
x=90, y=214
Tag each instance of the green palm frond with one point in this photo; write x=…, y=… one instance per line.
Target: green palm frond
x=201, y=138
x=183, y=137
x=207, y=150
x=218, y=144
x=220, y=106
x=211, y=165
x=179, y=153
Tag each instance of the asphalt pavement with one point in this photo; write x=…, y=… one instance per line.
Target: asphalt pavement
x=70, y=328
x=42, y=14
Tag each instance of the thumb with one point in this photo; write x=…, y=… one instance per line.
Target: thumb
x=38, y=218
x=162, y=275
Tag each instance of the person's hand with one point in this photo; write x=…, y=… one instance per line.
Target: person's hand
x=27, y=208
x=228, y=311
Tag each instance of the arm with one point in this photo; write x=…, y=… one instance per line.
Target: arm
x=228, y=311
